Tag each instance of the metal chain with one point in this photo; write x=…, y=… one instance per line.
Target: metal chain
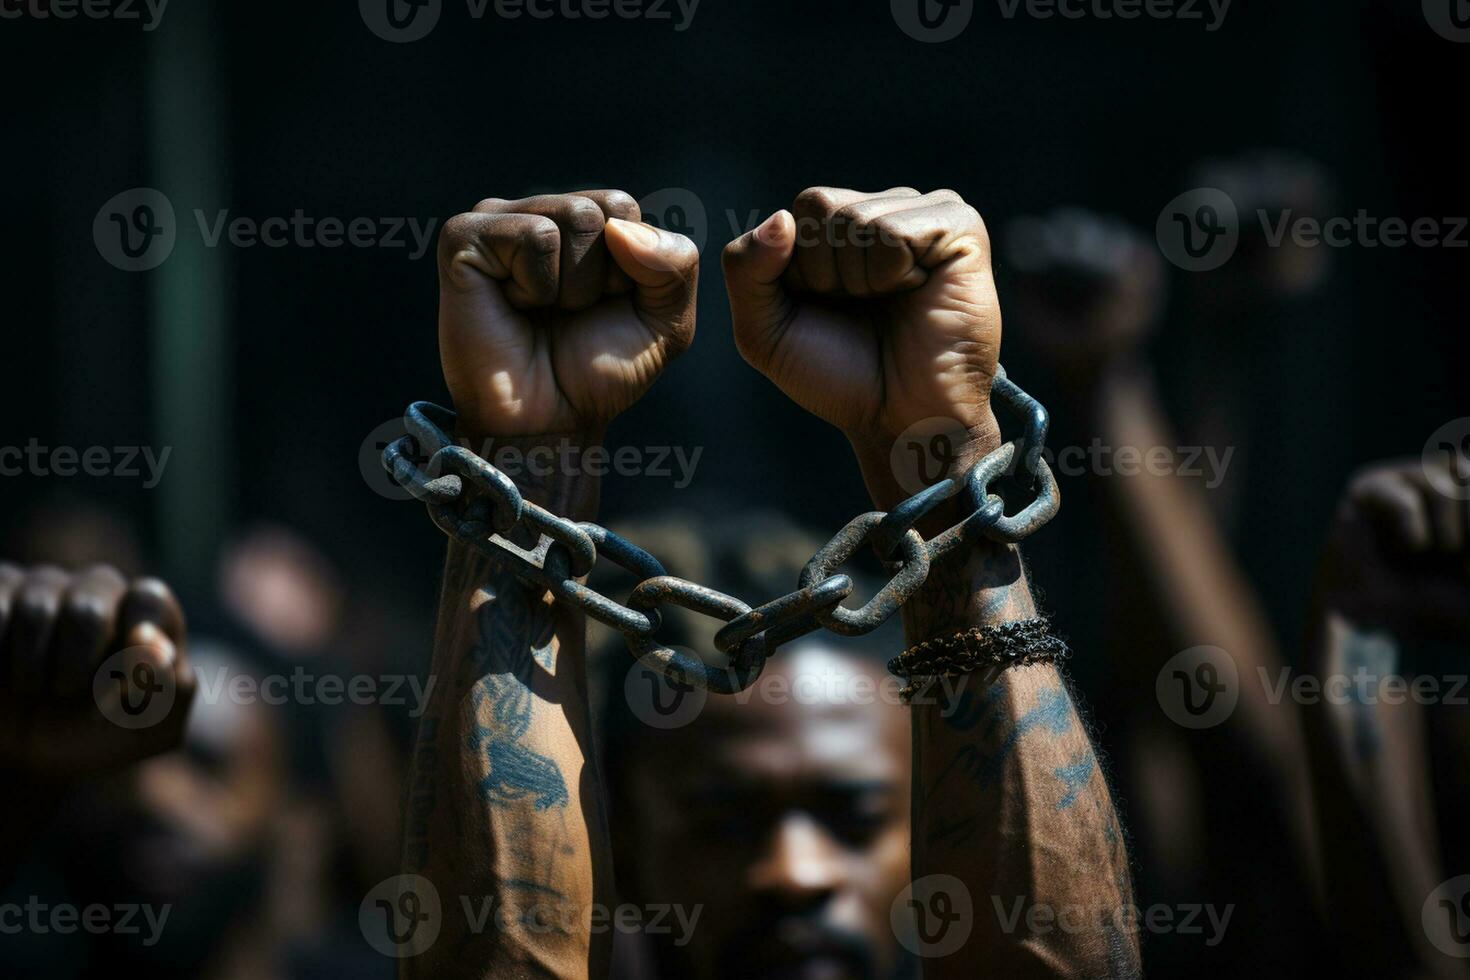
x=475, y=503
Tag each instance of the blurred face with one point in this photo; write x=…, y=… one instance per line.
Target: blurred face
x=787, y=820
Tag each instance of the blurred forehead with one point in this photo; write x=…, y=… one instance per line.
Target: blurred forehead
x=816, y=713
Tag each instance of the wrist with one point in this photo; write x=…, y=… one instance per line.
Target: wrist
x=892, y=475
x=557, y=471
x=982, y=585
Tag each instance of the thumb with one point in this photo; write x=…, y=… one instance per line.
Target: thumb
x=664, y=268
x=759, y=304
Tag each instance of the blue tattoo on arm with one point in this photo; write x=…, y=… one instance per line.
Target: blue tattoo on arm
x=515, y=638
x=1074, y=776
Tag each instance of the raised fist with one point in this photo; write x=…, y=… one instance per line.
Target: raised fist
x=1087, y=288
x=1399, y=554
x=557, y=312
x=874, y=312
x=92, y=671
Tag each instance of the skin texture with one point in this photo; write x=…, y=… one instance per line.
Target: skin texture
x=556, y=313
x=1395, y=581
x=799, y=812
x=876, y=312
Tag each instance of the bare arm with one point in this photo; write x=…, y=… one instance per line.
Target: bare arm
x=556, y=313
x=505, y=810
x=1394, y=576
x=1009, y=798
x=878, y=313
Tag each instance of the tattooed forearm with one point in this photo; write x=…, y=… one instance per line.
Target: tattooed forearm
x=515, y=639
x=1010, y=799
x=504, y=801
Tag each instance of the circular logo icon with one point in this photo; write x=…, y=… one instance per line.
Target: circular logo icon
x=927, y=452
x=1449, y=18
x=132, y=691
x=660, y=700
x=1198, y=688
x=1199, y=230
x=933, y=21
x=1446, y=917
x=1446, y=459
x=401, y=21
x=933, y=916
x=135, y=231
x=370, y=460
x=679, y=210
x=401, y=917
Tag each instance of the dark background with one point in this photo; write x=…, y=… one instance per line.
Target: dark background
x=266, y=369
x=266, y=108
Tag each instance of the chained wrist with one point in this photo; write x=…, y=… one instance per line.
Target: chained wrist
x=479, y=505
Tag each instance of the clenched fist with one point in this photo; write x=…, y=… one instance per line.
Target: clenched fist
x=557, y=312
x=874, y=312
x=1399, y=555
x=1088, y=288
x=92, y=671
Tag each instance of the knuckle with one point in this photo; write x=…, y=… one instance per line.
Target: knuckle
x=542, y=236
x=87, y=613
x=583, y=215
x=489, y=204
x=623, y=204
x=37, y=604
x=153, y=590
x=818, y=200
x=457, y=234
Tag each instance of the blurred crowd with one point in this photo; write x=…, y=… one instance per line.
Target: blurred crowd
x=1331, y=826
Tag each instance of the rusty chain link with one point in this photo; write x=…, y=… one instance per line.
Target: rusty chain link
x=475, y=503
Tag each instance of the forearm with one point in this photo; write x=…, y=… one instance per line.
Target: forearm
x=505, y=814
x=1174, y=569
x=1010, y=799
x=1380, y=847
